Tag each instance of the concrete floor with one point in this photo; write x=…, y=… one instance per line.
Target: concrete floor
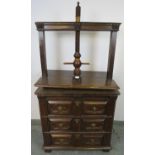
x=117, y=142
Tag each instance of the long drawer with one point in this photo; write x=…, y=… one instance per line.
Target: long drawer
x=80, y=139
x=80, y=107
x=80, y=124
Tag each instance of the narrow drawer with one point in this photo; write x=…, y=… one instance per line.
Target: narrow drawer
x=94, y=107
x=61, y=139
x=59, y=107
x=60, y=124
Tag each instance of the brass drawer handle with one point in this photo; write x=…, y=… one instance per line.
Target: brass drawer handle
x=94, y=108
x=59, y=107
x=60, y=124
x=93, y=124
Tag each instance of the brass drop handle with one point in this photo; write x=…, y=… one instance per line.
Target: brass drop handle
x=60, y=124
x=94, y=108
x=59, y=107
x=93, y=124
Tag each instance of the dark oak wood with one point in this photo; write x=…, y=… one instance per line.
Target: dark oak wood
x=63, y=79
x=70, y=117
x=103, y=148
x=43, y=53
x=77, y=26
x=77, y=114
x=111, y=55
x=72, y=26
x=44, y=122
x=77, y=55
x=60, y=92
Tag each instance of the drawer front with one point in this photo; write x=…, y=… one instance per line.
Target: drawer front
x=81, y=139
x=80, y=124
x=83, y=106
x=61, y=139
x=92, y=139
x=97, y=124
x=60, y=124
x=94, y=107
x=59, y=107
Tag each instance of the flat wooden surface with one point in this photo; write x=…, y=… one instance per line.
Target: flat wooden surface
x=64, y=79
x=73, y=93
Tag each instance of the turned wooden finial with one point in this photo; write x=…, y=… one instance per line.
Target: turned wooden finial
x=78, y=11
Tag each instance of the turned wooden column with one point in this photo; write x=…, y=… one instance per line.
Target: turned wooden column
x=77, y=55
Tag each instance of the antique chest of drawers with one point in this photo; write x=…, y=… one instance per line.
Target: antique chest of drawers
x=77, y=108
x=74, y=118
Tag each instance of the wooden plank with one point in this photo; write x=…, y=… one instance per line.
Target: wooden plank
x=71, y=26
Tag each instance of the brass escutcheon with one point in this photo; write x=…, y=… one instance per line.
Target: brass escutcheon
x=77, y=104
x=93, y=124
x=77, y=120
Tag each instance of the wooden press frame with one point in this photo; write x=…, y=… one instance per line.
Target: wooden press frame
x=77, y=27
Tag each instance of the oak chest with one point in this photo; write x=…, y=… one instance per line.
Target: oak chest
x=76, y=118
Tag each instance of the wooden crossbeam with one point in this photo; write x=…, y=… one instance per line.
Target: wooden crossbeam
x=72, y=26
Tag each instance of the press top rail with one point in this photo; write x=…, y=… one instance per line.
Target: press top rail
x=73, y=26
